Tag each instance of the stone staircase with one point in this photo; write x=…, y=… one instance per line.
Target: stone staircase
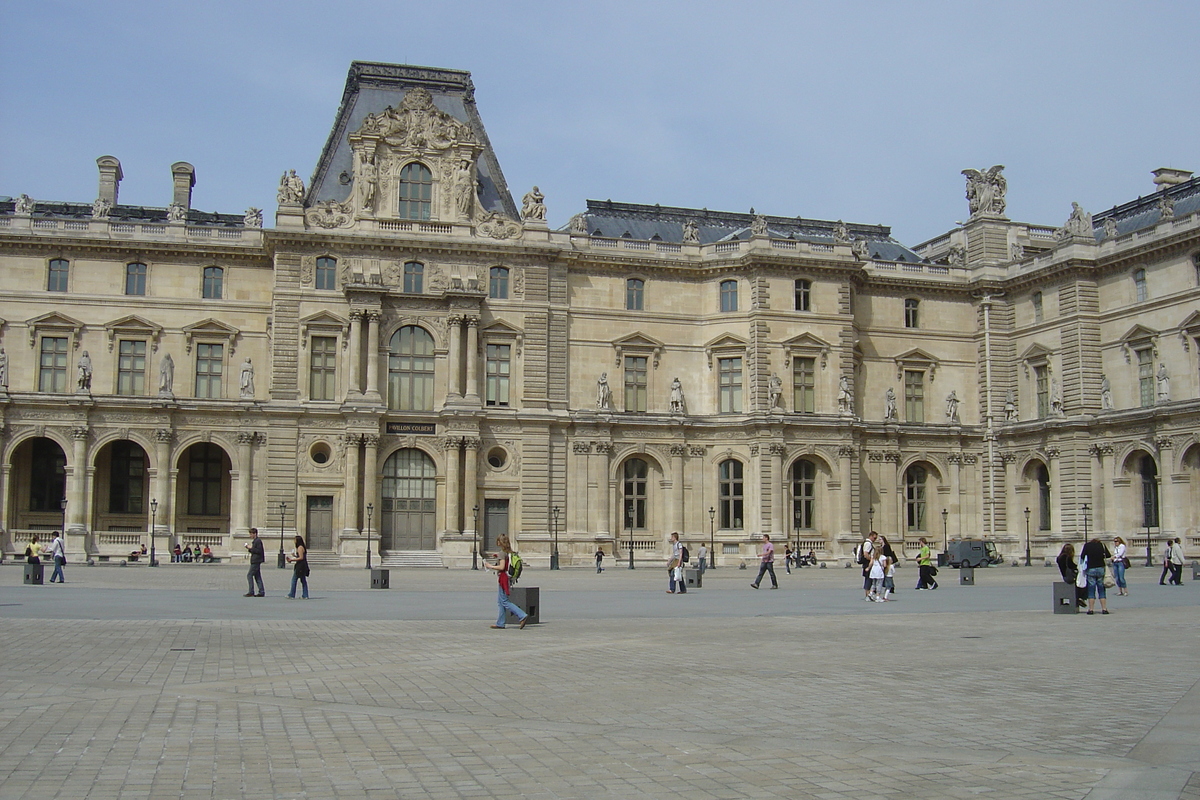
x=323, y=559
x=412, y=558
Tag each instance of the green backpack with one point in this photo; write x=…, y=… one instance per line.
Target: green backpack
x=515, y=565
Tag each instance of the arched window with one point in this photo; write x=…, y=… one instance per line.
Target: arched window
x=914, y=497
x=1139, y=284
x=729, y=296
x=57, y=279
x=410, y=370
x=729, y=491
x=326, y=277
x=1043, y=481
x=803, y=294
x=416, y=192
x=634, y=290
x=409, y=501
x=636, y=472
x=498, y=285
x=804, y=482
x=214, y=280
x=1149, y=472
x=414, y=277
x=47, y=476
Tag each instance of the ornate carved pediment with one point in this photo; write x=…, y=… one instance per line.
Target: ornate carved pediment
x=324, y=323
x=725, y=346
x=330, y=214
x=211, y=329
x=498, y=226
x=133, y=326
x=806, y=346
x=500, y=332
x=1139, y=337
x=916, y=359
x=417, y=126
x=638, y=344
x=55, y=323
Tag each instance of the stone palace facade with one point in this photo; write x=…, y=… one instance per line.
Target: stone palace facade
x=409, y=360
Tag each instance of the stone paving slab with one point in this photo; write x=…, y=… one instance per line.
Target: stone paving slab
x=622, y=692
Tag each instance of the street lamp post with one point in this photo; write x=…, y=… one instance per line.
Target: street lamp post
x=282, y=558
x=63, y=505
x=946, y=532
x=629, y=533
x=870, y=519
x=475, y=540
x=554, y=554
x=1028, y=561
x=153, y=525
x=370, y=512
x=712, y=537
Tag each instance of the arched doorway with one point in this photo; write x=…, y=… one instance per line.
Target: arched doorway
x=203, y=495
x=409, y=499
x=122, y=499
x=38, y=486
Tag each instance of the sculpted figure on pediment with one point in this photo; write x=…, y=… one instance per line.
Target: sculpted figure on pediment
x=176, y=213
x=758, y=226
x=498, y=226
x=417, y=125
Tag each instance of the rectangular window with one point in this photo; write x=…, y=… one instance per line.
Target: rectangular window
x=209, y=367
x=914, y=395
x=326, y=273
x=803, y=295
x=52, y=373
x=635, y=383
x=204, y=480
x=1146, y=376
x=322, y=371
x=47, y=476
x=729, y=296
x=214, y=283
x=499, y=369
x=131, y=368
x=910, y=313
x=135, y=279
x=1041, y=377
x=414, y=277
x=1037, y=306
x=634, y=294
x=498, y=285
x=729, y=376
x=803, y=385
x=57, y=278
x=126, y=486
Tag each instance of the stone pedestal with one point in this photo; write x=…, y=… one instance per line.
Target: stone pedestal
x=528, y=600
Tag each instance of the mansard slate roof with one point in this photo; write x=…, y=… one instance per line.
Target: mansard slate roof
x=1145, y=212
x=122, y=213
x=370, y=89
x=665, y=223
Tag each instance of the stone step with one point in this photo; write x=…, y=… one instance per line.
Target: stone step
x=413, y=558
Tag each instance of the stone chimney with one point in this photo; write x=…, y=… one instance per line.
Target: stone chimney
x=185, y=178
x=1165, y=177
x=110, y=178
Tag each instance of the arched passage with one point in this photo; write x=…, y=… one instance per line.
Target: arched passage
x=409, y=502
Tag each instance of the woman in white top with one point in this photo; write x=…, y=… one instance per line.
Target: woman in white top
x=1119, y=563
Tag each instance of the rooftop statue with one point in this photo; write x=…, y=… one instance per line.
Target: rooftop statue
x=291, y=189
x=758, y=226
x=533, y=206
x=986, y=190
x=691, y=233
x=101, y=208
x=253, y=218
x=1078, y=224
x=841, y=234
x=24, y=204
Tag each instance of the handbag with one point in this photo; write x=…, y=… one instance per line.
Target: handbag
x=1109, y=580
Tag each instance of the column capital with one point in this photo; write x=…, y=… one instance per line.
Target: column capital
x=697, y=450
x=370, y=439
x=373, y=315
x=247, y=438
x=678, y=450
x=777, y=449
x=357, y=314
x=80, y=433
x=472, y=322
x=472, y=443
x=164, y=435
x=449, y=443
x=582, y=448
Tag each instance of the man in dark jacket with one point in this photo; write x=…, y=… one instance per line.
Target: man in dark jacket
x=257, y=557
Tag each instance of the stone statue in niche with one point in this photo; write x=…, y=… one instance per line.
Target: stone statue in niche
x=464, y=190
x=1078, y=224
x=1010, y=407
x=1164, y=384
x=1056, y=401
x=1106, y=401
x=889, y=405
x=83, y=382
x=533, y=206
x=676, y=403
x=952, y=407
x=691, y=233
x=986, y=190
x=604, y=398
x=366, y=179
x=247, y=379
x=775, y=391
x=291, y=189
x=845, y=398
x=166, y=376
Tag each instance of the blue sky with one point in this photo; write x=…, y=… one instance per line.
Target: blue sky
x=863, y=111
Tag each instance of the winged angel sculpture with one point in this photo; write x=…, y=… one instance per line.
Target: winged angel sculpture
x=986, y=190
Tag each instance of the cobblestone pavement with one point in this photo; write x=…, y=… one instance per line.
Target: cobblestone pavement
x=139, y=683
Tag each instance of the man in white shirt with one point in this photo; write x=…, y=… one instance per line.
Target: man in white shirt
x=702, y=555
x=864, y=559
x=58, y=551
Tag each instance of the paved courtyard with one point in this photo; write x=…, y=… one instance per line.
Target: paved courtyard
x=140, y=683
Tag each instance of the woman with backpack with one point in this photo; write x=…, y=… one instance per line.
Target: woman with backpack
x=501, y=568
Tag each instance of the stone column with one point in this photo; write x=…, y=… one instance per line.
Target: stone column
x=5, y=489
x=752, y=493
x=845, y=511
x=782, y=523
x=893, y=509
x=470, y=483
x=1100, y=511
x=454, y=385
x=161, y=490
x=675, y=500
x=604, y=490
x=1014, y=512
x=450, y=445
x=355, y=386
x=244, y=483
x=1168, y=522
x=472, y=356
x=77, y=482
x=373, y=354
x=1056, y=517
x=370, y=478
x=350, y=442
x=578, y=518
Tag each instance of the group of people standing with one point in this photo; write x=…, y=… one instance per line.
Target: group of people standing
x=878, y=561
x=1089, y=573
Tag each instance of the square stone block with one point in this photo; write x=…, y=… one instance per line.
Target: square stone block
x=693, y=579
x=380, y=578
x=527, y=599
x=966, y=576
x=34, y=574
x=1064, y=598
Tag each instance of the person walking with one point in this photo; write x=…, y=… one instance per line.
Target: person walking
x=1119, y=562
x=787, y=559
x=257, y=557
x=1167, y=572
x=675, y=582
x=599, y=560
x=885, y=547
x=300, y=572
x=501, y=568
x=866, y=553
x=767, y=563
x=876, y=572
x=702, y=558
x=1094, y=554
x=925, y=565
x=58, y=551
x=1176, y=559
